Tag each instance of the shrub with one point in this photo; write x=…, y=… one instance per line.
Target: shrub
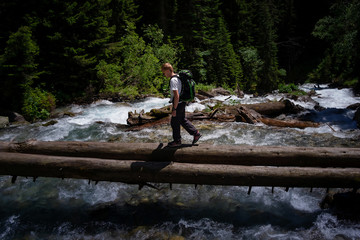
x=290, y=88
x=37, y=104
x=204, y=87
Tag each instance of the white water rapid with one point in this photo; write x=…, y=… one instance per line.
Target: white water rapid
x=74, y=209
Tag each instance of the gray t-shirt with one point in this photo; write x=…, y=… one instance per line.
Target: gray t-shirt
x=175, y=84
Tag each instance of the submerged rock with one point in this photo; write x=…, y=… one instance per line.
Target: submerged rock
x=220, y=91
x=4, y=122
x=344, y=204
x=50, y=123
x=357, y=117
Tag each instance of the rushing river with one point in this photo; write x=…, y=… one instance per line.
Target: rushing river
x=76, y=209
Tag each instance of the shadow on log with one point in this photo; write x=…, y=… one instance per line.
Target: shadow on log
x=201, y=154
x=222, y=165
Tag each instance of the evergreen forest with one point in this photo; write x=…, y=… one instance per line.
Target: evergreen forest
x=55, y=52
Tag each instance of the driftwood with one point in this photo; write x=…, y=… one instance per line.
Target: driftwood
x=248, y=113
x=275, y=108
x=135, y=119
x=158, y=122
x=220, y=165
x=289, y=123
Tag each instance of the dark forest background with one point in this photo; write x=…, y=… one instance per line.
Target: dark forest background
x=60, y=51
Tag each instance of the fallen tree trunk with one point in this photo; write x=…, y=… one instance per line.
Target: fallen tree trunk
x=269, y=108
x=137, y=172
x=274, y=108
x=249, y=113
x=288, y=123
x=159, y=122
x=201, y=154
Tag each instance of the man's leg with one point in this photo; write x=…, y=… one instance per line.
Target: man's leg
x=175, y=125
x=187, y=125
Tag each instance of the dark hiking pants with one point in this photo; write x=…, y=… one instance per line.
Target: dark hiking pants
x=181, y=120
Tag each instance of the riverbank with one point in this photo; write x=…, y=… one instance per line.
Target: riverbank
x=45, y=209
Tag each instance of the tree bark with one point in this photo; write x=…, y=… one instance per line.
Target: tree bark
x=137, y=172
x=201, y=154
x=289, y=123
x=249, y=113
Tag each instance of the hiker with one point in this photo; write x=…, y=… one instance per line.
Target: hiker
x=178, y=108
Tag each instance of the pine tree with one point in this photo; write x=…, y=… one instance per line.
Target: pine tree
x=72, y=36
x=341, y=30
x=209, y=51
x=266, y=45
x=18, y=67
x=123, y=12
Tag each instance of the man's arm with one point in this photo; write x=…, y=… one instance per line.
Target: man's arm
x=175, y=102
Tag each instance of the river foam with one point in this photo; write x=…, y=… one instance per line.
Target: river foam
x=78, y=209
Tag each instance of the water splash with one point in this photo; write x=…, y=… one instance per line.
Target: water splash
x=75, y=209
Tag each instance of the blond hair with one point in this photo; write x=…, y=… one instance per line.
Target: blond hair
x=167, y=66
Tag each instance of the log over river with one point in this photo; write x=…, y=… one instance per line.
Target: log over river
x=204, y=164
x=56, y=208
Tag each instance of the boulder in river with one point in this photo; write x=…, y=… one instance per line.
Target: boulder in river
x=357, y=117
x=4, y=122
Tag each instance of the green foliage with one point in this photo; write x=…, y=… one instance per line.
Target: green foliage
x=322, y=73
x=252, y=66
x=135, y=63
x=37, y=104
x=267, y=47
x=78, y=48
x=130, y=92
x=351, y=82
x=123, y=12
x=212, y=56
x=341, y=31
x=72, y=36
x=290, y=88
x=109, y=75
x=18, y=67
x=287, y=88
x=205, y=87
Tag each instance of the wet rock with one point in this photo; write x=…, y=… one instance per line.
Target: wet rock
x=50, y=123
x=341, y=237
x=345, y=204
x=202, y=95
x=220, y=91
x=17, y=119
x=317, y=107
x=357, y=117
x=177, y=238
x=247, y=115
x=62, y=112
x=14, y=117
x=240, y=93
x=353, y=106
x=4, y=122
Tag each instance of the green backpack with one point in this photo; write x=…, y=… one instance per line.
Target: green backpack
x=187, y=86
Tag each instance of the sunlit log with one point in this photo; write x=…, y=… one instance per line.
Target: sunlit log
x=136, y=172
x=201, y=154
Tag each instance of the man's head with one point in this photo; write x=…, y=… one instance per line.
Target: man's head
x=167, y=70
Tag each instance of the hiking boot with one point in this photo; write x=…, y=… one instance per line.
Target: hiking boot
x=174, y=144
x=197, y=136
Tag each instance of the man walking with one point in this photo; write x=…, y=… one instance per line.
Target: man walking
x=178, y=108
